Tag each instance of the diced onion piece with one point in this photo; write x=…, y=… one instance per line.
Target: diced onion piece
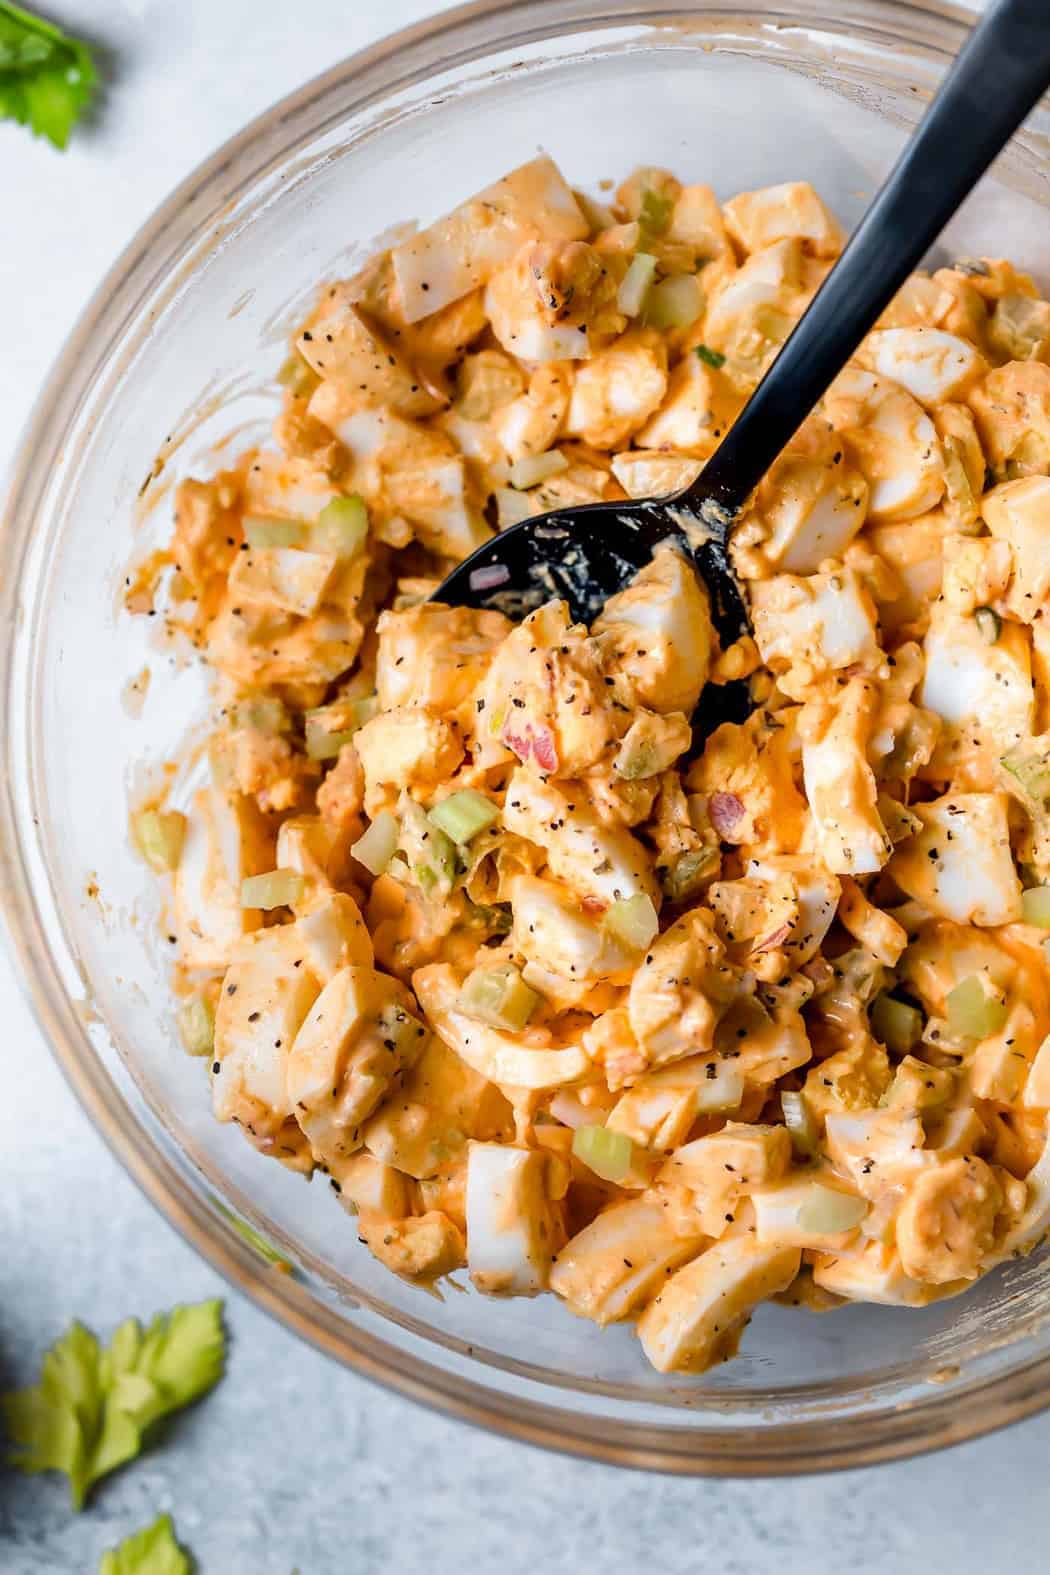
x=462, y=815
x=340, y=528
x=636, y=282
x=676, y=302
x=800, y=1122
x=534, y=468
x=499, y=997
x=989, y=624
x=490, y=575
x=827, y=1212
x=1035, y=907
x=378, y=844
x=632, y=921
x=1032, y=772
x=260, y=532
x=160, y=834
x=896, y=1024
x=323, y=745
x=275, y=889
x=974, y=1012
x=197, y=1025
x=607, y=1153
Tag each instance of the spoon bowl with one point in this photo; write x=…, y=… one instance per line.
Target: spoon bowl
x=585, y=555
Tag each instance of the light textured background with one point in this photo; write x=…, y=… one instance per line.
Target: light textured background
x=294, y=1462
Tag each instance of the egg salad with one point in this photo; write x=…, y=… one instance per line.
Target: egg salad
x=469, y=924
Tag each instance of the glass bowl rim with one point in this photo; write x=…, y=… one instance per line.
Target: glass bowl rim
x=169, y=238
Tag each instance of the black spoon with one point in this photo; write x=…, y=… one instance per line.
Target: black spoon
x=584, y=555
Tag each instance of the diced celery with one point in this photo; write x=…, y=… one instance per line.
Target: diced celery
x=260, y=532
x=710, y=357
x=675, y=302
x=257, y=1241
x=378, y=844
x=498, y=996
x=430, y=853
x=495, y=919
x=957, y=483
x=462, y=815
x=323, y=745
x=341, y=528
x=688, y=872
x=655, y=211
x=989, y=624
x=607, y=1153
x=800, y=1122
x=275, y=889
x=534, y=468
x=197, y=1025
x=264, y=713
x=973, y=1010
x=632, y=921
x=636, y=282
x=1032, y=772
x=827, y=1212
x=331, y=726
x=896, y=1024
x=636, y=759
x=1035, y=906
x=160, y=835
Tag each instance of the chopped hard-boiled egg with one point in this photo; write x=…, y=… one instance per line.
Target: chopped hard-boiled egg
x=808, y=627
x=699, y=1316
x=959, y=863
x=483, y=917
x=513, y=1227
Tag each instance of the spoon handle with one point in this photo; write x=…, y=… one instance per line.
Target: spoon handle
x=998, y=76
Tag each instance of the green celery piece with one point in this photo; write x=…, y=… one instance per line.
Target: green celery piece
x=46, y=78
x=256, y=1240
x=1032, y=772
x=607, y=1153
x=93, y=1406
x=151, y=1551
x=655, y=212
x=462, y=815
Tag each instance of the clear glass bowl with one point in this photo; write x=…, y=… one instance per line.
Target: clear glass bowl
x=175, y=352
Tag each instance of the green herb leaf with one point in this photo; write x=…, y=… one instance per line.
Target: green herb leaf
x=152, y=1551
x=46, y=78
x=710, y=357
x=93, y=1407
